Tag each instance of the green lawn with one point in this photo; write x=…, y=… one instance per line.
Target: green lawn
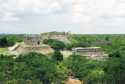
x=2, y=50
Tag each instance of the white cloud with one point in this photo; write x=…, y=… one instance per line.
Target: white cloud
x=83, y=13
x=79, y=10
x=10, y=8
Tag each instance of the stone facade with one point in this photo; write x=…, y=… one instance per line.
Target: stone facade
x=44, y=49
x=32, y=43
x=32, y=39
x=61, y=36
x=90, y=52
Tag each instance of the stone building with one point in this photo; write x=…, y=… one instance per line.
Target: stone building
x=44, y=49
x=61, y=36
x=31, y=43
x=32, y=39
x=90, y=52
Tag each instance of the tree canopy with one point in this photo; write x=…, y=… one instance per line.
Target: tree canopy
x=6, y=41
x=55, y=44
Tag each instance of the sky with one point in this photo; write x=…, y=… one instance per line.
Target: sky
x=77, y=16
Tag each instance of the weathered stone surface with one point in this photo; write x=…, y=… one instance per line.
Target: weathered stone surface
x=73, y=81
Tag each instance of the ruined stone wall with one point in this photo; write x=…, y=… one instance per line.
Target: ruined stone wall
x=43, y=50
x=32, y=39
x=61, y=37
x=92, y=54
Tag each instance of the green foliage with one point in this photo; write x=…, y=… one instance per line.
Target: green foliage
x=36, y=66
x=76, y=64
x=107, y=42
x=115, y=70
x=4, y=42
x=21, y=81
x=57, y=56
x=62, y=73
x=68, y=46
x=14, y=39
x=110, y=71
x=6, y=66
x=115, y=53
x=9, y=41
x=79, y=41
x=55, y=44
x=32, y=68
x=86, y=70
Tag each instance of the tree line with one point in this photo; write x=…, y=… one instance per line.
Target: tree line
x=6, y=41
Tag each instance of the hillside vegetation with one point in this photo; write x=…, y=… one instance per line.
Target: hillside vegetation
x=36, y=68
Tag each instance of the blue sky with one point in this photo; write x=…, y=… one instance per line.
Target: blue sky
x=77, y=16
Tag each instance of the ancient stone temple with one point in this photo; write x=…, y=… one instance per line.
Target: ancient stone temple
x=61, y=36
x=31, y=43
x=32, y=39
x=90, y=52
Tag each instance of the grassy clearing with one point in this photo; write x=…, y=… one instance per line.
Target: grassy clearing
x=2, y=50
x=66, y=53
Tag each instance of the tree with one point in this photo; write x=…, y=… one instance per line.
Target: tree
x=81, y=44
x=89, y=71
x=115, y=53
x=62, y=73
x=31, y=68
x=96, y=76
x=9, y=41
x=35, y=66
x=55, y=44
x=69, y=46
x=13, y=39
x=76, y=64
x=115, y=69
x=3, y=42
x=6, y=67
x=57, y=56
